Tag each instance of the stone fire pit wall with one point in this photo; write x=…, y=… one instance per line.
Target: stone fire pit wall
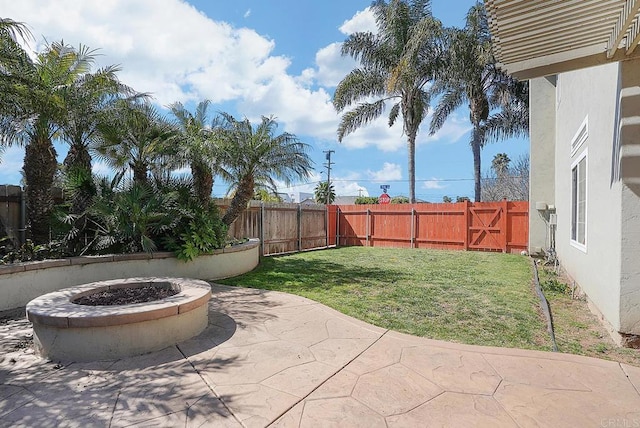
x=66, y=331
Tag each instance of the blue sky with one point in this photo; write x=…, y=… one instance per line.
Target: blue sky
x=256, y=57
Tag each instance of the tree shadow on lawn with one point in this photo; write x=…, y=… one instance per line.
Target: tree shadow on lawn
x=289, y=274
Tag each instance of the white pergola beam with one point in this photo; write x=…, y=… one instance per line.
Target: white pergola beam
x=634, y=37
x=626, y=18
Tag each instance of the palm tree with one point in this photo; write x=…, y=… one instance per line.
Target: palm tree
x=137, y=137
x=396, y=65
x=89, y=101
x=253, y=156
x=33, y=116
x=470, y=76
x=324, y=193
x=500, y=164
x=197, y=147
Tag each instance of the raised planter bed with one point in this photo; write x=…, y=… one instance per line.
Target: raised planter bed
x=64, y=330
x=22, y=282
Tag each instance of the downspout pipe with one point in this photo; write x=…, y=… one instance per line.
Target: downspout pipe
x=23, y=216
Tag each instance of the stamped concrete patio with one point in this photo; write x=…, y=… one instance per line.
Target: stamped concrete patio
x=273, y=359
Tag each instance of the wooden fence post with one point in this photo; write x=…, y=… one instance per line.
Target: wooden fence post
x=299, y=227
x=261, y=229
x=367, y=234
x=413, y=227
x=505, y=223
x=337, y=227
x=326, y=226
x=467, y=226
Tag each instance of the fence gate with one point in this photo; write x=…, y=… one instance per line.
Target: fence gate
x=487, y=227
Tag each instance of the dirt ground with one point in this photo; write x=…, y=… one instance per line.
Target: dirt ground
x=577, y=329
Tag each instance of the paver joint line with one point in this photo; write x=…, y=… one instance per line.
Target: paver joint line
x=209, y=386
x=113, y=411
x=326, y=380
x=628, y=378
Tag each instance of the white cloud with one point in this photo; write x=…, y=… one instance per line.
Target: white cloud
x=165, y=47
x=452, y=131
x=432, y=184
x=343, y=185
x=175, y=52
x=349, y=188
x=332, y=67
x=389, y=171
x=361, y=21
x=247, y=13
x=377, y=134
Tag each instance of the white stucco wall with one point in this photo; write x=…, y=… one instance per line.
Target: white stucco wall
x=629, y=176
x=542, y=159
x=591, y=93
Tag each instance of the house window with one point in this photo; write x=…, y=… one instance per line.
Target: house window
x=579, y=202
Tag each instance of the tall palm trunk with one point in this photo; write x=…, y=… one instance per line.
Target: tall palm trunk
x=476, y=147
x=78, y=164
x=411, y=148
x=202, y=182
x=478, y=113
x=78, y=167
x=411, y=128
x=40, y=166
x=139, y=172
x=243, y=195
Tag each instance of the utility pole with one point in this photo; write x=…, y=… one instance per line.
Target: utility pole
x=328, y=166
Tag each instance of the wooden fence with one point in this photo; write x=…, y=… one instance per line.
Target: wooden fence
x=486, y=226
x=11, y=213
x=284, y=228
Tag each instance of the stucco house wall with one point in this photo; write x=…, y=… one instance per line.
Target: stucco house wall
x=542, y=139
x=590, y=95
x=627, y=172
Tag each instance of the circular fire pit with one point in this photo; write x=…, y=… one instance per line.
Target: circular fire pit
x=63, y=329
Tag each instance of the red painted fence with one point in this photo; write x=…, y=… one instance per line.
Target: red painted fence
x=484, y=226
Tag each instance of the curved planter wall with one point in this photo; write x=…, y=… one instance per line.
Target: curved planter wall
x=22, y=282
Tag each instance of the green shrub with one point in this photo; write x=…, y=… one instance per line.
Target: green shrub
x=399, y=200
x=199, y=231
x=29, y=251
x=366, y=200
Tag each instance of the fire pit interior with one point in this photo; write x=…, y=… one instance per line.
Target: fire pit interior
x=138, y=293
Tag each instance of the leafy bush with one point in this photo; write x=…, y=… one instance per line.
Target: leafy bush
x=29, y=251
x=129, y=217
x=366, y=200
x=200, y=230
x=399, y=200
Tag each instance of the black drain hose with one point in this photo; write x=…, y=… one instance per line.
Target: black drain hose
x=546, y=309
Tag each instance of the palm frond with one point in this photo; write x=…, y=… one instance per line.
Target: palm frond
x=359, y=84
x=393, y=114
x=450, y=101
x=361, y=115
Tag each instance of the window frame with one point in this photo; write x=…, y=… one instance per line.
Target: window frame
x=575, y=202
x=580, y=137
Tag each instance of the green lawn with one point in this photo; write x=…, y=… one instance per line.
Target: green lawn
x=467, y=297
